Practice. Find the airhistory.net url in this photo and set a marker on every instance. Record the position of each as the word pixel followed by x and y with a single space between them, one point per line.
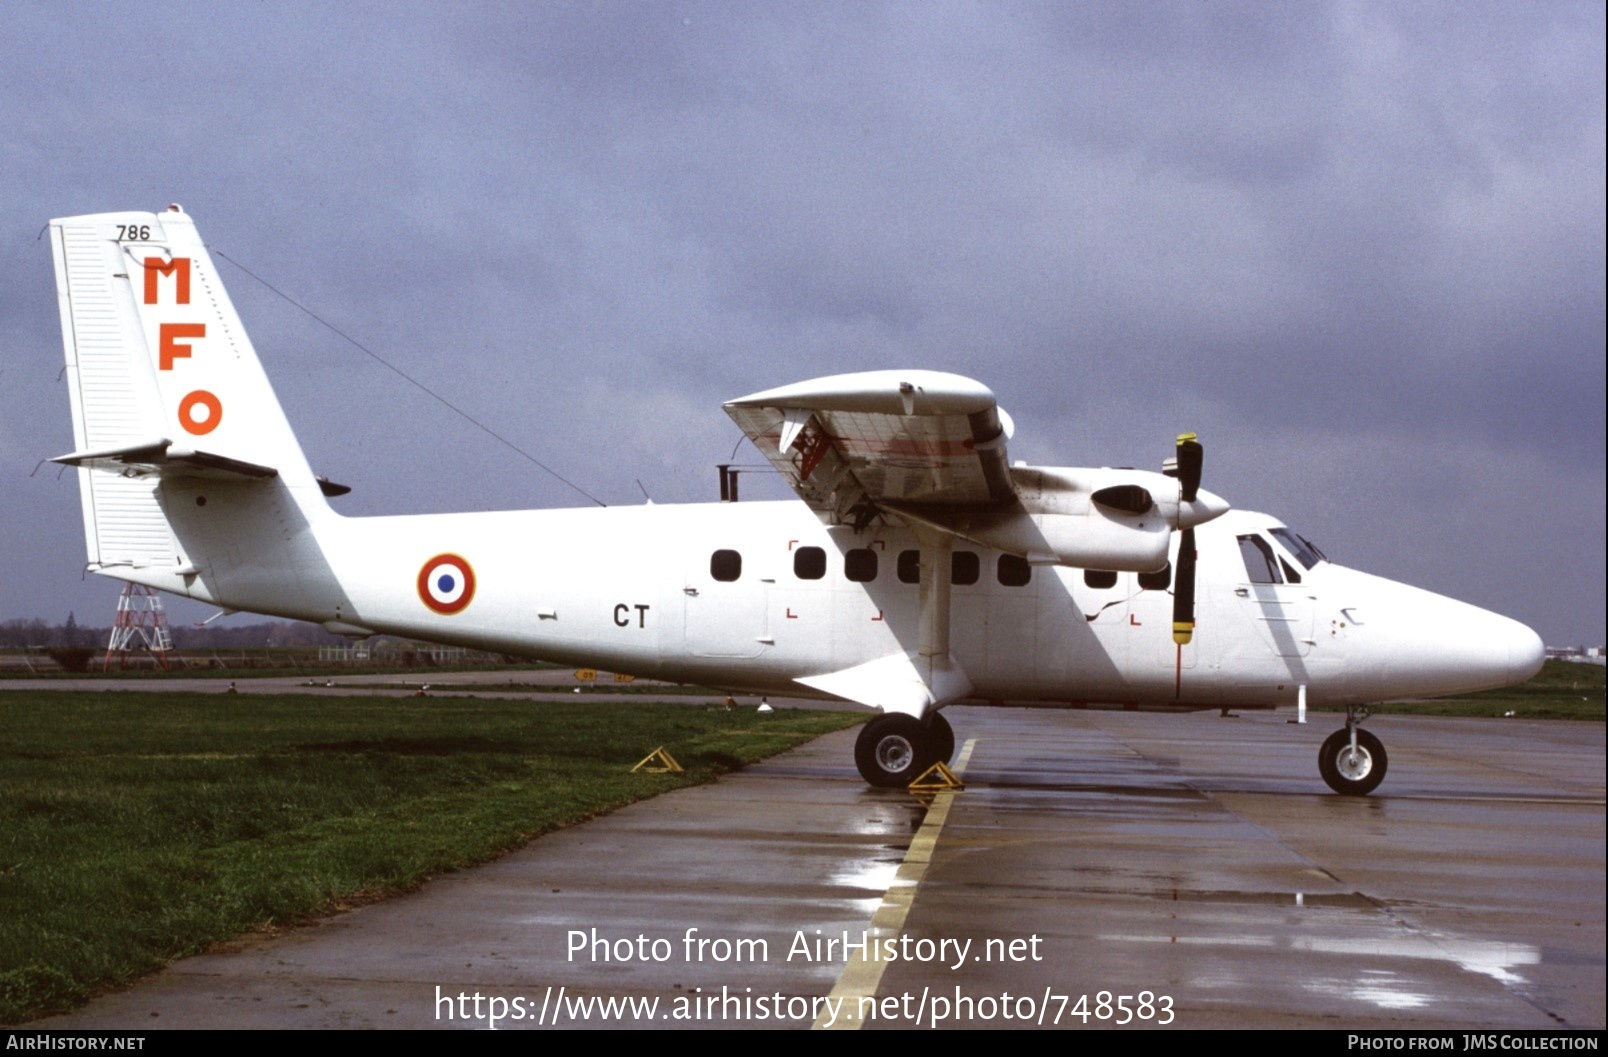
pixel 557 1007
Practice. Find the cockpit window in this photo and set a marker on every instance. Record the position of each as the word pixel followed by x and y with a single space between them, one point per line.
pixel 1304 552
pixel 1260 565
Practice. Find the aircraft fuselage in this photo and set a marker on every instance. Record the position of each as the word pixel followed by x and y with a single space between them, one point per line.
pixel 755 596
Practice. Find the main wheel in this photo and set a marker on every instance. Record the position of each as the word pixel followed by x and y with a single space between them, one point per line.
pixel 894 749
pixel 943 736
pixel 1352 773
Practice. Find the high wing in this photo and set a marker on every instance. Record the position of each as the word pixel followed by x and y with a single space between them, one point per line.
pixel 852 442
pixel 928 449
pixel 856 445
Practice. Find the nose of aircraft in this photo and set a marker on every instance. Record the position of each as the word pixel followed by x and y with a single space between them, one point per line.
pixel 1525 651
pixel 1478 647
pixel 1413 643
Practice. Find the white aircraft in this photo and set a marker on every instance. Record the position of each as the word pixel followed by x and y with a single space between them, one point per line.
pixel 921 568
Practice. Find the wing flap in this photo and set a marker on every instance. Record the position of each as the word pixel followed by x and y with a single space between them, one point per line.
pixel 852 440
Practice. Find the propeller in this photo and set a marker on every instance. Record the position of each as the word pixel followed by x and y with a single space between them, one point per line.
pixel 1186 466
pixel 1184 589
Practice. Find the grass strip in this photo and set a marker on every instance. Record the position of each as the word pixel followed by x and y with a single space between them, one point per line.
pixel 137 828
pixel 1561 690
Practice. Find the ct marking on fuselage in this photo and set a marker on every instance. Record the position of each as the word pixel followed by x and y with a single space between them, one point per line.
pixel 447 584
pixel 622 615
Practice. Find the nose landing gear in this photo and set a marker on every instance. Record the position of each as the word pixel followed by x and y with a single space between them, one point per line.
pixel 1352 761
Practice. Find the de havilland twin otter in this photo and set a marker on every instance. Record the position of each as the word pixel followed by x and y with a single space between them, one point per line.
pixel 920 569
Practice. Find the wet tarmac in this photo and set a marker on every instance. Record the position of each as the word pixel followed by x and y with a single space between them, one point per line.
pixel 1187 870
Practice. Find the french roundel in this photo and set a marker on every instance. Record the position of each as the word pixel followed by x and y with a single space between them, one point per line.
pixel 446 584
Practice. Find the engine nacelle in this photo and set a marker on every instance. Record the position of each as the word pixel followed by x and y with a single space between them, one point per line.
pixel 1120 520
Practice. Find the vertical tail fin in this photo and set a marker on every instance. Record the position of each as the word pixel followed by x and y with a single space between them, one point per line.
pixel 167 393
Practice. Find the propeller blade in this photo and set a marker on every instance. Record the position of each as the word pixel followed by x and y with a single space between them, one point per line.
pixel 1188 462
pixel 1184 588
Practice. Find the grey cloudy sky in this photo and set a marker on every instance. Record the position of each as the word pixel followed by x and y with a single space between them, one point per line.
pixel 1358 246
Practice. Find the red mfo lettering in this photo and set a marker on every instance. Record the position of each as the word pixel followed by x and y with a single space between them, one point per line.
pixel 168 348
pixel 211 409
pixel 178 268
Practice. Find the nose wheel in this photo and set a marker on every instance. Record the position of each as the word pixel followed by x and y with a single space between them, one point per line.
pixel 1352 767
pixel 893 750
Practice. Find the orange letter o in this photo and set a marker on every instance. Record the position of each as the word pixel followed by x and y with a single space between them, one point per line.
pixel 214 409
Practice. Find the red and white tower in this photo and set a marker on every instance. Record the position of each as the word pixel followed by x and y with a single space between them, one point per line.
pixel 140 621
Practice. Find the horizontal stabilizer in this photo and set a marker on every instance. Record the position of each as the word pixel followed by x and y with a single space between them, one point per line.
pixel 895 683
pixel 160 458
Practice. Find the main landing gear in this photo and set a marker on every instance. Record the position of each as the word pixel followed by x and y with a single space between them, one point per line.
pixel 1352 761
pixel 894 749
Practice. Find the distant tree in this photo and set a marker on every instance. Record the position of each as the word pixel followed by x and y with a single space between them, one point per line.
pixel 25 632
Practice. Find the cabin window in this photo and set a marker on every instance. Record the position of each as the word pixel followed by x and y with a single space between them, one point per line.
pixel 909 567
pixel 725 565
pixel 964 568
pixel 1014 571
pixel 809 563
pixel 1099 579
pixel 1159 580
pixel 860 565
pixel 1260 565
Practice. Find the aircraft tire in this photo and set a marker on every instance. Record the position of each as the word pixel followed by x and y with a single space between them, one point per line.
pixel 1348 775
pixel 943 736
pixel 893 750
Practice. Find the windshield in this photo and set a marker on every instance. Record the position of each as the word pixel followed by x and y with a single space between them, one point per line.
pixel 1304 552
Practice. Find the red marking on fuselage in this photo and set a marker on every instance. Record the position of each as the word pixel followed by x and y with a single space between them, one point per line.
pixel 1134 622
pixel 452 562
pixel 877 617
pixel 790 614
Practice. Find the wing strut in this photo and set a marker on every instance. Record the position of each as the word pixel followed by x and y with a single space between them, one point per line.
pixel 945 680
pixel 910 682
pixel 936 551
